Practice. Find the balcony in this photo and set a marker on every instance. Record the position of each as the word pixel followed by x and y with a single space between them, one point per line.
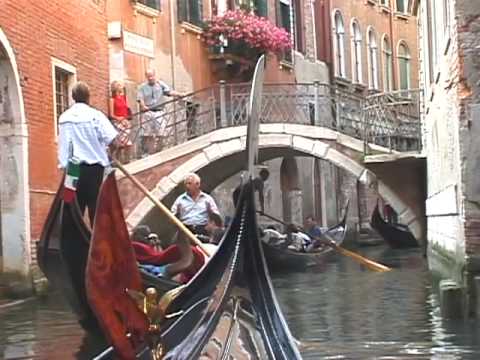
pixel 234 62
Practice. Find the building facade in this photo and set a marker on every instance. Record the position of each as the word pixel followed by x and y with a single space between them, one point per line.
pixel 44 48
pixel 373 44
pixel 449 73
pixel 100 41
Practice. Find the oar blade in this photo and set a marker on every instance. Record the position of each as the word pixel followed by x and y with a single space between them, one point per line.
pixel 372 265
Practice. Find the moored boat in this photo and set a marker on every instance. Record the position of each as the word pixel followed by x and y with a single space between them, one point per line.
pixel 395 235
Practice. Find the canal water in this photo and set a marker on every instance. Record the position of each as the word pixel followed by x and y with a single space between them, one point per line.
pixel 337 310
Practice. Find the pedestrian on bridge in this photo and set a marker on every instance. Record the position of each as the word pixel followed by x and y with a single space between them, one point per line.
pixel 150 97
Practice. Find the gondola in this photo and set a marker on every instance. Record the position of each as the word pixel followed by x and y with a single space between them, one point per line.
pixel 283 258
pixel 228 310
pixel 62 254
pixel 397 236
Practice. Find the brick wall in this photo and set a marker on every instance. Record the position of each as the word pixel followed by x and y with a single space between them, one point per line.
pixel 74 33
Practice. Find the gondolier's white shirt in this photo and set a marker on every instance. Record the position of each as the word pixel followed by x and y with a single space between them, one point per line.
pixel 89 131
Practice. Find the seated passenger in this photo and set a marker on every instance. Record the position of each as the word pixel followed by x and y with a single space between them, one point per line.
pixel 271 236
pixel 297 240
pixel 164 260
pixel 214 228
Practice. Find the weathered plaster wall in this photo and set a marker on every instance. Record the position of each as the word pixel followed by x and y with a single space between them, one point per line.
pixel 444 189
pixel 468 90
pixel 14 199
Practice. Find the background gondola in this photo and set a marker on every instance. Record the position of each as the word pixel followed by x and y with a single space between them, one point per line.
pixel 283 258
pixel 395 235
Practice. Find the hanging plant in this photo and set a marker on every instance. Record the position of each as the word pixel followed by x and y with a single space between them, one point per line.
pixel 243 33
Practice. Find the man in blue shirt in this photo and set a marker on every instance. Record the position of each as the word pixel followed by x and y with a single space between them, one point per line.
pixel 151 96
pixel 313 230
pixel 194 206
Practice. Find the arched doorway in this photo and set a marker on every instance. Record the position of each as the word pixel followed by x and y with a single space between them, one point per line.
pixel 14 195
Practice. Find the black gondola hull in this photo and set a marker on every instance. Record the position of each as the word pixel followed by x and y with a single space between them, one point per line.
pixel 62 256
pixel 396 236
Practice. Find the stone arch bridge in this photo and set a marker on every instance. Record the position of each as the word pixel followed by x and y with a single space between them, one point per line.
pixel 220 154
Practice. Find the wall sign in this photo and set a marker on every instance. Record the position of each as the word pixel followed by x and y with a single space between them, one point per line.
pixel 138 44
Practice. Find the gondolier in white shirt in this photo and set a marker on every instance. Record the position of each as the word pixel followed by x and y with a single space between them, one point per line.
pixel 85 134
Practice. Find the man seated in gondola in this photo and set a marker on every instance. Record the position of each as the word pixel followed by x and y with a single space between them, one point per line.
pixel 214 230
pixel 160 262
pixel 315 232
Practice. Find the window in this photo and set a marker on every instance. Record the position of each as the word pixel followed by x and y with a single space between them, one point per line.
pixel 338 45
pixel 385 3
pixel 154 4
pixel 387 65
pixel 372 60
pixel 190 11
pixel 356 53
pixel 63 78
pixel 404 66
pixel 446 16
pixel 402 6
pixel 261 7
pixel 284 20
pixel 297 19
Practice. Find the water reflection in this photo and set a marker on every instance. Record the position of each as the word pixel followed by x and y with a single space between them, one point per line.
pixel 337 310
pixel 346 312
pixel 44 330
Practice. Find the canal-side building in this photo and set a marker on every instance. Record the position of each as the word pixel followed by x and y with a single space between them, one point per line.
pixel 449 73
pixel 99 42
pixel 370 48
pixel 169 37
pixel 44 48
pixel 372 44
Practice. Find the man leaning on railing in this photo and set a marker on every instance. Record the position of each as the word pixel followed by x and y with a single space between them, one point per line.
pixel 153 124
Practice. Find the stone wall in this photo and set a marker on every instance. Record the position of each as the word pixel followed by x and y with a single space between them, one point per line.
pixel 450 75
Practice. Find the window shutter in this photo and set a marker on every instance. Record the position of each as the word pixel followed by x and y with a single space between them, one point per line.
pixel 182 10
pixel 261 8
pixel 197 15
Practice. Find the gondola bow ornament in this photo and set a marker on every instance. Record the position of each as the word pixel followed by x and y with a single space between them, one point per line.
pixel 111 270
pixel 253 111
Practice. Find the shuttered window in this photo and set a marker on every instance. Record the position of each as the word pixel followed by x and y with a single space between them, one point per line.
pixel 285 18
pixel 190 11
pixel 154 4
pixel 261 8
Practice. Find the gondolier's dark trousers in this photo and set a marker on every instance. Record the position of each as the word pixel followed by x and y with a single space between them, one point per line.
pixel 89 182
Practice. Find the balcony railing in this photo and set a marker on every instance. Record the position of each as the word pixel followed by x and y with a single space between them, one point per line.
pixel 391 120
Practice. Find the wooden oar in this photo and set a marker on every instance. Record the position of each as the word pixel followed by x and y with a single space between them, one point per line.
pixel 372 265
pixel 163 208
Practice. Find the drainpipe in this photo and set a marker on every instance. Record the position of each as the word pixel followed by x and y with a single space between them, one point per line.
pixel 394 61
pixel 173 51
pixel 172 42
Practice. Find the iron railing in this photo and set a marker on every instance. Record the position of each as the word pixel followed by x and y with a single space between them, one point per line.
pixel 390 119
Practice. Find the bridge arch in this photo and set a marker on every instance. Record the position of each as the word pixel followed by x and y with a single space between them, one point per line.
pixel 218 155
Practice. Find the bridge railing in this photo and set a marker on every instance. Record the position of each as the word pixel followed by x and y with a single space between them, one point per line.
pixel 388 119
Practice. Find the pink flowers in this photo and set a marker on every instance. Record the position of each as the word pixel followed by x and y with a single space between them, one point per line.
pixel 255 32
